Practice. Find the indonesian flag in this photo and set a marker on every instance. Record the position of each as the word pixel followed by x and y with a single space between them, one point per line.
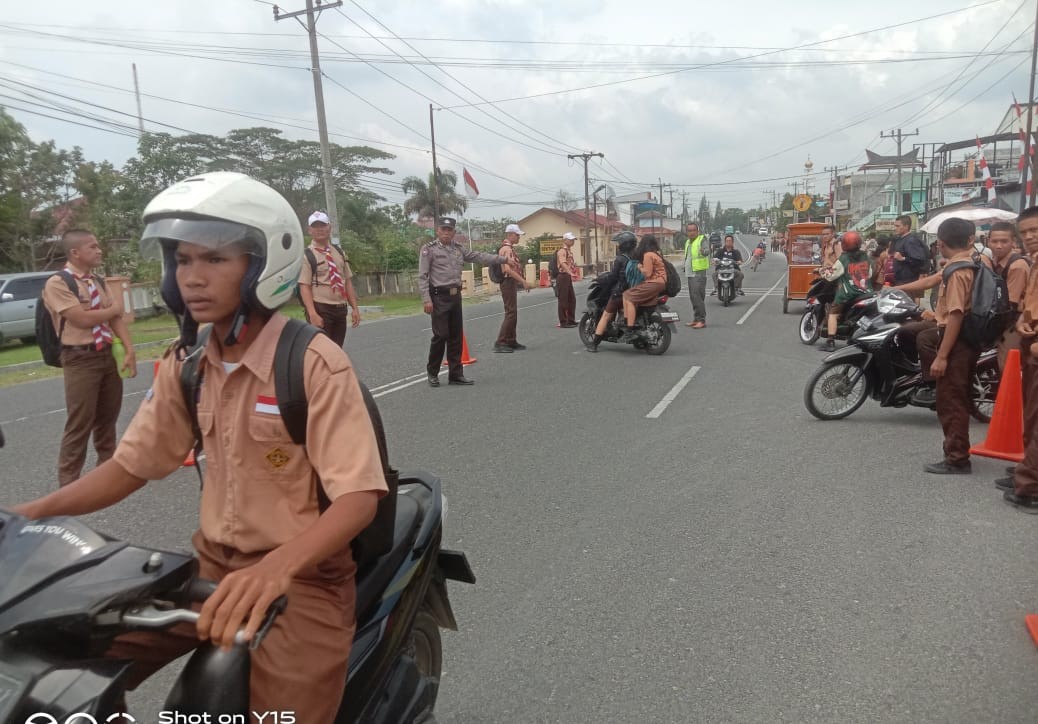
pixel 267 405
pixel 989 183
pixel 471 190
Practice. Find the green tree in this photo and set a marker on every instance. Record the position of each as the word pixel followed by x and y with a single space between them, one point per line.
pixel 421 202
pixel 704 214
pixel 717 211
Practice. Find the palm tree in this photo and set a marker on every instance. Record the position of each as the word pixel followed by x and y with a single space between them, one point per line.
pixel 421 201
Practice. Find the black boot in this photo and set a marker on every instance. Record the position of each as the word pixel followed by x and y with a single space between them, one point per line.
pixel 828 346
pixel 592 346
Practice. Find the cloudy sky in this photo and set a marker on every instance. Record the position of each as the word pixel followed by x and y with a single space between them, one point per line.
pixel 727 99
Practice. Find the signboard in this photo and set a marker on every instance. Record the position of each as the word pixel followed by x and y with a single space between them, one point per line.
pixel 550 246
pixel 842 204
pixel 802 202
pixel 884 225
pixel 787 213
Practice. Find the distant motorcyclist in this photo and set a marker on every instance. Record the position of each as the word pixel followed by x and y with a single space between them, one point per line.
pixel 852 275
pixel 616 281
pixel 729 252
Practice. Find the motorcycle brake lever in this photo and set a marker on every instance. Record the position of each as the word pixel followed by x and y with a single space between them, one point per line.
pixel 278 606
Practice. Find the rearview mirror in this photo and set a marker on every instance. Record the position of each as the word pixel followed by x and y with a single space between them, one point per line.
pixel 6 297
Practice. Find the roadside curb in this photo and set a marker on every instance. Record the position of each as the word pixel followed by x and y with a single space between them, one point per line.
pixel 40 363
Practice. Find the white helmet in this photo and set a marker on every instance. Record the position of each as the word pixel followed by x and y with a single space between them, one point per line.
pixel 222 209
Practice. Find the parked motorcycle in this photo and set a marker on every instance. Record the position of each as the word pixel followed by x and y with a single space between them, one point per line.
pixel 813 324
pixel 874 364
pixel 66 591
pixel 726 269
pixel 654 323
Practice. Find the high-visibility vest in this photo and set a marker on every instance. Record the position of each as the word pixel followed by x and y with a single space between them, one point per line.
pixel 693 251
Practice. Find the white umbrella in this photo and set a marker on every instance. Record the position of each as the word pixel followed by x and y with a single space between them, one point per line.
pixel 979 215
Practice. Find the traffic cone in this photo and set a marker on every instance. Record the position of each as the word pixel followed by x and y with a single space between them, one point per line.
pixel 190 459
pixel 1031 621
pixel 1005 438
pixel 465 359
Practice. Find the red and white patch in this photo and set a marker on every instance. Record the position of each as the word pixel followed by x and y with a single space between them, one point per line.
pixel 267 405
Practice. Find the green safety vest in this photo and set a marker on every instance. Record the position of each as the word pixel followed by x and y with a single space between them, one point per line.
pixel 693 250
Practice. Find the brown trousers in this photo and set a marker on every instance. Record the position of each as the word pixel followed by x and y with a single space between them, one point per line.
pixel 954 392
pixel 336 320
pixel 93 398
pixel 301 664
pixel 509 291
pixel 567 299
pixel 1025 479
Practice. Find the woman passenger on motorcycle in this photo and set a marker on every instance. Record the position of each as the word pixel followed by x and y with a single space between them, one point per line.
pixel 852 274
pixel 646 292
pixel 625 242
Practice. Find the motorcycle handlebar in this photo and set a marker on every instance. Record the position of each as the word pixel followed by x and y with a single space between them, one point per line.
pixel 200 589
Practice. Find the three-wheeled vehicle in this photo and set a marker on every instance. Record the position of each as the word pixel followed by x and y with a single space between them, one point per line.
pixel 803 257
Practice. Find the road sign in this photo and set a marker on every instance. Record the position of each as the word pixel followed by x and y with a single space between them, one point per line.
pixel 802 202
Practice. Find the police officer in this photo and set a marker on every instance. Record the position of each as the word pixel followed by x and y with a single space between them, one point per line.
pixel 439 281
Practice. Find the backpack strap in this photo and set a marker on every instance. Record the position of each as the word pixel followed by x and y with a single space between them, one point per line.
pixel 289 385
pixel 190 386
pixel 312 258
pixel 72 287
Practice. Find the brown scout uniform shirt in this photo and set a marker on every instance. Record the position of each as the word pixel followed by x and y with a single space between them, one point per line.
pixel 565 260
pixel 1029 307
pixel 1016 280
pixel 59 298
pixel 322 290
pixel 260 488
pixel 831 252
pixel 957 294
pixel 508 250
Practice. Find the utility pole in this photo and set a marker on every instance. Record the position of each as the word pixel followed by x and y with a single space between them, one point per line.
pixel 835 171
pixel 796 192
pixel 137 92
pixel 436 169
pixel 322 123
pixel 899 136
pixel 585 242
pixel 1028 166
pixel 684 208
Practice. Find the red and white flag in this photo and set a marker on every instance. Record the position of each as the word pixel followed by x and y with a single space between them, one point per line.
pixel 985 172
pixel 471 190
pixel 267 405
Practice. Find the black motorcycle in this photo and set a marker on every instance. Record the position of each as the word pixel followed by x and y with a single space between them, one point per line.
pixel 66 591
pixel 726 269
pixel 653 323
pixel 874 364
pixel 813 325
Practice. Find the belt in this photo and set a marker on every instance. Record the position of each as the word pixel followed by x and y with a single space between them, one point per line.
pixel 333 306
pixel 452 290
pixel 85 347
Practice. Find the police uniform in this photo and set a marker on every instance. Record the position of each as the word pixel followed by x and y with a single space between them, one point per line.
pixel 328 303
pixel 439 282
pixel 260 492
pixel 93 387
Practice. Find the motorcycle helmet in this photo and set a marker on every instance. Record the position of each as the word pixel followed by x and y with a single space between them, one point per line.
pixel 851 241
pixel 625 241
pixel 218 210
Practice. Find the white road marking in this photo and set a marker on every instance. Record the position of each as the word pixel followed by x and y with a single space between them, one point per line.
pixel 672 395
pixel 421 378
pixel 756 304
pixel 55 412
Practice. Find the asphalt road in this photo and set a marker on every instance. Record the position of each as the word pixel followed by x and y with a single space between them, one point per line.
pixel 729 558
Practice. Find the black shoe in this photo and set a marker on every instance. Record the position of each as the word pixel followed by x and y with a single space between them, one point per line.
pixel 926 396
pixel 434 380
pixel 500 348
pixel 946 468
pixel 828 346
pixel 1005 483
pixel 460 381
pixel 713 293
pixel 1010 470
pixel 741 293
pixel 518 347
pixel 1026 503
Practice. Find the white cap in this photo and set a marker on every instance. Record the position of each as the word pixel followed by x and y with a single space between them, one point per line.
pixel 514 229
pixel 569 236
pixel 317 216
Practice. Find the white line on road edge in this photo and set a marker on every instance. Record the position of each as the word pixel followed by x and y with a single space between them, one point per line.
pixel 756 304
pixel 672 395
pixel 421 378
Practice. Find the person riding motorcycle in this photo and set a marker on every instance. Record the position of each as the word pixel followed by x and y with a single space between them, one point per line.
pixel 852 275
pixel 616 280
pixel 728 251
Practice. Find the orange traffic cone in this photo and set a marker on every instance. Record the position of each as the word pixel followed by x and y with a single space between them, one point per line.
pixel 1031 621
pixel 1005 438
pixel 465 359
pixel 190 459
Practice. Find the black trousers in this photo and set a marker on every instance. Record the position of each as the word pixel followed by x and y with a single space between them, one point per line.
pixel 336 320
pixel 447 330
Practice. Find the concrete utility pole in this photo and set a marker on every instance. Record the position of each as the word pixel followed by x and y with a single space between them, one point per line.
pixel 1028 165
pixel 436 170
pixel 322 123
pixel 137 92
pixel 684 208
pixel 835 171
pixel 585 157
pixel 899 136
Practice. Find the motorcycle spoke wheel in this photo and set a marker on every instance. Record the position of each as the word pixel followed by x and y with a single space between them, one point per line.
pixel 984 388
pixel 835 391
pixel 809 328
pixel 586 328
pixel 658 338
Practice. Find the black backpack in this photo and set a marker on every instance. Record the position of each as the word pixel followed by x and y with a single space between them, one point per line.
pixel 311 258
pixel 496 273
pixel 377 538
pixel 673 286
pixel 48 338
pixel 989 313
pixel 553 266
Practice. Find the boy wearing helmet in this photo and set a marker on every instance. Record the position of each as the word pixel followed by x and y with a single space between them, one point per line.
pixel 852 274
pixel 616 281
pixel 231 254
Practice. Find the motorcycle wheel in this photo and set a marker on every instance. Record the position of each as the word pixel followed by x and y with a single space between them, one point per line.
pixel 661 332
pixel 426 646
pixel 809 327
pixel 984 386
pixel 586 328
pixel 836 390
